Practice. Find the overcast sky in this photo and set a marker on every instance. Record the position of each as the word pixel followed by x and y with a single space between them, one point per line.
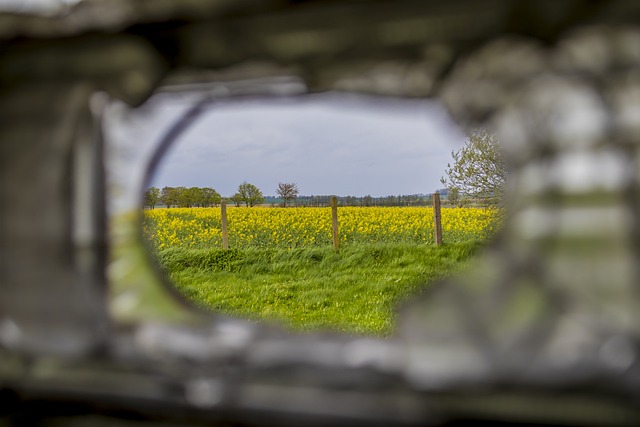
pixel 325 144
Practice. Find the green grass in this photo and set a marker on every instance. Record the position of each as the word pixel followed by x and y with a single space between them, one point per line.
pixel 354 290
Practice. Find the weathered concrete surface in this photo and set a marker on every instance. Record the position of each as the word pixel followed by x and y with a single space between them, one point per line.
pixel 546 330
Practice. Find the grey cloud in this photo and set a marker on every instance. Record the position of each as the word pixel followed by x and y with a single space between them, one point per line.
pixel 326 147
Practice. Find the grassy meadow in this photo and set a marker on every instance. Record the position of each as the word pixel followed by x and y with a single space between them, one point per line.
pixel 282 267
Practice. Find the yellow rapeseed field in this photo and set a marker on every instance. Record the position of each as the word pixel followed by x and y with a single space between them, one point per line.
pixel 296 227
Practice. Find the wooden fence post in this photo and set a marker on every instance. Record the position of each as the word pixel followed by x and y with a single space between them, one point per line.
pixel 334 215
pixel 225 233
pixel 437 219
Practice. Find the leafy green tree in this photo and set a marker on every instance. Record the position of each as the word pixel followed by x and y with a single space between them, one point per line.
pixel 287 191
pixel 478 169
pixel 152 197
pixel 169 196
pixel 236 199
pixel 183 197
pixel 209 197
pixel 249 194
pixel 195 197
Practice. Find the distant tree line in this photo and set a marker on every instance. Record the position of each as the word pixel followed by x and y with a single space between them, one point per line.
pixel 325 200
pixel 287 194
pixel 189 197
pixel 182 197
pixel 477 176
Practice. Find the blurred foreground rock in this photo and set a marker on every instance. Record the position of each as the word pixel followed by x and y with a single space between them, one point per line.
pixel 545 330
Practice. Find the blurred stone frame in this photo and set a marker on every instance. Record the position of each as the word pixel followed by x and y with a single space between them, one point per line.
pixel 559 82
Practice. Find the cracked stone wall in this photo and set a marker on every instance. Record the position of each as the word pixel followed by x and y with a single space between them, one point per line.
pixel 561 287
pixel 545 329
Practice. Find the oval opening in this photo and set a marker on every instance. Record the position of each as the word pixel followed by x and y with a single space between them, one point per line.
pixel 239 215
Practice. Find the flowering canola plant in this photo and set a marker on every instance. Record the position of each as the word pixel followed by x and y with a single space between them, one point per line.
pixel 261 227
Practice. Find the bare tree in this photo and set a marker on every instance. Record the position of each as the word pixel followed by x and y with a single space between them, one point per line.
pixel 288 191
